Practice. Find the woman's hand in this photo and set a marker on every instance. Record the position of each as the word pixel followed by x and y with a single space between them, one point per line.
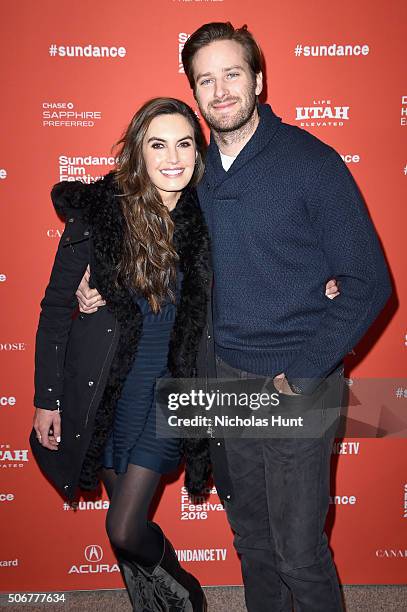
pixel 331 289
pixel 89 299
pixel 47 424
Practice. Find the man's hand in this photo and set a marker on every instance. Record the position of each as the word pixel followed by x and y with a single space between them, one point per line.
pixel 331 289
pixel 280 381
pixel 89 299
pixel 282 386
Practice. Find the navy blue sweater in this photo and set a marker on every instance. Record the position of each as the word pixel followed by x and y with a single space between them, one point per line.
pixel 285 218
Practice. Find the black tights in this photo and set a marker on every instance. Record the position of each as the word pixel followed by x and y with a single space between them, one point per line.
pixel 127 524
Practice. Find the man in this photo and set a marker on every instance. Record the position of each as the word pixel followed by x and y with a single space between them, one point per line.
pixel 284 215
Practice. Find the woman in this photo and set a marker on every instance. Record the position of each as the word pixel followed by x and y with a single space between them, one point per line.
pixel 142 233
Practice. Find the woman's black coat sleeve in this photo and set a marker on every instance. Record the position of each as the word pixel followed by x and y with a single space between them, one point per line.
pixel 57 309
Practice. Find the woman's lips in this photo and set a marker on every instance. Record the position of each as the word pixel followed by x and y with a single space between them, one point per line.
pixel 172 172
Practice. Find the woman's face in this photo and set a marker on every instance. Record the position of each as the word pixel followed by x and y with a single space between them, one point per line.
pixel 169 153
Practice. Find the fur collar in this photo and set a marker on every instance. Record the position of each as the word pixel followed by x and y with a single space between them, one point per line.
pixel 76 195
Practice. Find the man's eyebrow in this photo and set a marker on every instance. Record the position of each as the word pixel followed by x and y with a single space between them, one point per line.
pixel 233 68
pixel 206 74
pixel 163 139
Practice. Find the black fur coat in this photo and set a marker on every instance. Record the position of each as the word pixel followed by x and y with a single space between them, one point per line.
pixel 94 235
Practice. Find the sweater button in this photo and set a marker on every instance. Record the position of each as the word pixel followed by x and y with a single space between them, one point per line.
pixel 71 220
pixel 218 444
pixel 90 383
pixel 228 496
pixel 78 436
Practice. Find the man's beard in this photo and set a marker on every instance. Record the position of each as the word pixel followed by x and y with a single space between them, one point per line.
pixel 235 122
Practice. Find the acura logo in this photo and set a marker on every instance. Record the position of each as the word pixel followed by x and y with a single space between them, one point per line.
pixel 93 553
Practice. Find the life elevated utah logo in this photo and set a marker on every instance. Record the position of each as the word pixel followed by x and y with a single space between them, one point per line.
pixel 322 113
pixel 11 457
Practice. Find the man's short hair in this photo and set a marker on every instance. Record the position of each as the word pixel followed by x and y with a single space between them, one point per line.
pixel 211 32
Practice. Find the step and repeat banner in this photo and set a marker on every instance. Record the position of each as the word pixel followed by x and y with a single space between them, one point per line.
pixel 73 73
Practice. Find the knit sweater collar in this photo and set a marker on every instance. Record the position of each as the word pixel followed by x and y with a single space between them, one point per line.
pixel 265 131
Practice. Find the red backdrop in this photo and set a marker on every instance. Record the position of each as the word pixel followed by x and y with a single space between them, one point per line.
pixel 73 74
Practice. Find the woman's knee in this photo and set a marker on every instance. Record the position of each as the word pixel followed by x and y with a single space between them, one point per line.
pixel 123 536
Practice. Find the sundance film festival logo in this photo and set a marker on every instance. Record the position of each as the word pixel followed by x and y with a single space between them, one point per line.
pixel 182 39
pixel 86 51
pixel 12 458
pixel 403 118
pixel 197 507
pixel 342 500
pixel 323 113
pixel 65 114
pixel 3 174
pixel 78 168
pixel 351 158
pixel 93 554
pixel 7 497
pixel 3 278
pixel 6 401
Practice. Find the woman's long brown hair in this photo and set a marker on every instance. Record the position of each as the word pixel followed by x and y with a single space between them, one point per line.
pixel 148 262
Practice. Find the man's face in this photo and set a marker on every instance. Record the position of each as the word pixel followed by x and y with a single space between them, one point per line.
pixel 225 87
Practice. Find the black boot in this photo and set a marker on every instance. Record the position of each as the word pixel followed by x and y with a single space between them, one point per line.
pixel 165 587
pixel 169 569
pixel 139 588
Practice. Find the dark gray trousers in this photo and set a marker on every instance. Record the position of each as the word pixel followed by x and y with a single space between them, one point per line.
pixel 278 512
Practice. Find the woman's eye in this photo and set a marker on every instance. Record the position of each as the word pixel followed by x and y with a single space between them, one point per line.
pixel 185 144
pixel 157 145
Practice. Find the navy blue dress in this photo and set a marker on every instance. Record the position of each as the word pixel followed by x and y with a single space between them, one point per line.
pixel 133 437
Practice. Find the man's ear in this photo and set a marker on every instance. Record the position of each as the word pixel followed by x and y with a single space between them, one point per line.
pixel 259 83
